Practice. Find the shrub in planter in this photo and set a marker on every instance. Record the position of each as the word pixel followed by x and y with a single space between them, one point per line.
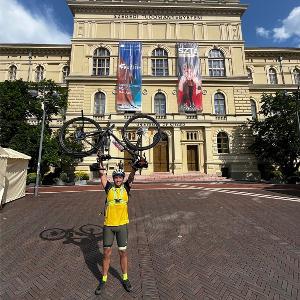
pixel 63 177
pixel 276 176
pixel 31 178
pixel 81 175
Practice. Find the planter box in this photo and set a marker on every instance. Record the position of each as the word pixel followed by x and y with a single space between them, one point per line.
pixel 81 182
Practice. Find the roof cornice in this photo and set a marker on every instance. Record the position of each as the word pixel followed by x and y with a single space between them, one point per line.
pixel 158 8
pixel 55 49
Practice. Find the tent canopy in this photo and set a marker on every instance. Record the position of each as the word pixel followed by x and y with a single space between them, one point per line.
pixel 13 172
pixel 10 153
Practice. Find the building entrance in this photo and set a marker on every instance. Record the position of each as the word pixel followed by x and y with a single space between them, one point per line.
pixel 192 158
pixel 161 155
pixel 127 162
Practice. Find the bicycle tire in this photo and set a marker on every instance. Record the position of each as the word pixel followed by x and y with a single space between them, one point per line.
pixel 80 152
pixel 53 234
pixel 156 135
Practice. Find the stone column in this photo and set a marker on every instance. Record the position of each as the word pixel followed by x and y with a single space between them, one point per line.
pixel 177 151
pixel 209 151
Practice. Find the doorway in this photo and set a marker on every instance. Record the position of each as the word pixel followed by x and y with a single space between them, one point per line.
pixel 127 162
pixel 192 158
pixel 161 155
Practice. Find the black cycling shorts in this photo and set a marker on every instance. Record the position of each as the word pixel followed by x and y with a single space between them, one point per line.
pixel 121 233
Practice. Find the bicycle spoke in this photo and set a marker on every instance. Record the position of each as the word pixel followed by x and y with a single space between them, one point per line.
pixel 139 132
pixel 79 141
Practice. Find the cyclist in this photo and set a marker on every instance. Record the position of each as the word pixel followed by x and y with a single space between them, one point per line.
pixel 116 220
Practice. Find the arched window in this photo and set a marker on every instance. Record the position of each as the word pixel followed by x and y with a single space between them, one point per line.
pixel 249 72
pixel 219 103
pixel 296 73
pixel 222 142
pixel 216 63
pixel 160 62
pixel 99 104
pixel 160 104
pixel 12 73
pixel 65 72
pixel 101 60
pixel 273 76
pixel 39 73
pixel 253 109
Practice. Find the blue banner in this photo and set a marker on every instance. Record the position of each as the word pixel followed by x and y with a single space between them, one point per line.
pixel 129 80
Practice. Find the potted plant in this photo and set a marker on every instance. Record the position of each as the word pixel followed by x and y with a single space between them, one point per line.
pixel 81 177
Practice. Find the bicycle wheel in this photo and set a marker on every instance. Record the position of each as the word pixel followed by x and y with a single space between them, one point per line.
pixel 141 132
pixel 53 234
pixel 79 137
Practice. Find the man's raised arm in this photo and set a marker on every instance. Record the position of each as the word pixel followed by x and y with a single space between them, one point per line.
pixel 131 175
pixel 103 177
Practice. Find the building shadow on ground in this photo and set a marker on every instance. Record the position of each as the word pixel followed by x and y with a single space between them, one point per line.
pixel 292 190
pixel 87 238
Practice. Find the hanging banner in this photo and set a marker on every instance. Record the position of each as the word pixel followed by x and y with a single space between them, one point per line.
pixel 189 86
pixel 129 77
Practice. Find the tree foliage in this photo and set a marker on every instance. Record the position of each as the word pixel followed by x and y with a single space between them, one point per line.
pixel 276 137
pixel 21 116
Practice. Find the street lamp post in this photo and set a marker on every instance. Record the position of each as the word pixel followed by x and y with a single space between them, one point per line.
pixel 35 93
pixel 38 171
pixel 29 64
pixel 297 109
pixel 280 59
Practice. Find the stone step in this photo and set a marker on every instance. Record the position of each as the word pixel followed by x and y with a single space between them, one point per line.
pixel 168 177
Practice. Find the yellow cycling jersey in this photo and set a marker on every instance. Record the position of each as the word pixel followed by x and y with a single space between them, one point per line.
pixel 116 208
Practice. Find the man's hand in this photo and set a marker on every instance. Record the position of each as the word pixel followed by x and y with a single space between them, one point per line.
pixel 103 177
pixel 140 164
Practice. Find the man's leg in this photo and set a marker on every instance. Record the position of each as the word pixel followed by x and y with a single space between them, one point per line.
pixel 108 239
pixel 123 261
pixel 106 261
pixel 122 238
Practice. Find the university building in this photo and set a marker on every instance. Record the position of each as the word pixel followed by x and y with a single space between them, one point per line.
pixel 233 77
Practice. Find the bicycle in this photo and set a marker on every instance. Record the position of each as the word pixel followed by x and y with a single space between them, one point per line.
pixel 83 136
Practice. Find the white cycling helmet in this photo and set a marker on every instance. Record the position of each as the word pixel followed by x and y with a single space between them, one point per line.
pixel 118 172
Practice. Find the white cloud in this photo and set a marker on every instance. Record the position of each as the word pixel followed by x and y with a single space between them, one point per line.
pixel 260 31
pixel 289 29
pixel 290 26
pixel 18 25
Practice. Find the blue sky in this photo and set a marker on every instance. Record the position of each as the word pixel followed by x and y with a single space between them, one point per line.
pixel 266 23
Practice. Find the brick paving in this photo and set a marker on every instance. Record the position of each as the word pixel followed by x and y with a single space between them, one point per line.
pixel 184 244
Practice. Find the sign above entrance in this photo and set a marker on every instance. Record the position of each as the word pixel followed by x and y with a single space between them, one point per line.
pixel 165 124
pixel 158 17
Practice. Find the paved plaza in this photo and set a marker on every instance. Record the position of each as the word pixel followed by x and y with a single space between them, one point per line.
pixel 184 243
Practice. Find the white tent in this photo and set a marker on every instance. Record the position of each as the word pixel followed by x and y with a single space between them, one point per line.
pixel 13 172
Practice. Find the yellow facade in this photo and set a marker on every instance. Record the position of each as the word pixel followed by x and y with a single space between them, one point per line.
pixel 191 139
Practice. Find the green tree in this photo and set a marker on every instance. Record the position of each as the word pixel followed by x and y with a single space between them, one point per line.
pixel 21 114
pixel 54 155
pixel 276 137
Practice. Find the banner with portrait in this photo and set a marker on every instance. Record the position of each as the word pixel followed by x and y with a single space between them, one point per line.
pixel 129 77
pixel 190 84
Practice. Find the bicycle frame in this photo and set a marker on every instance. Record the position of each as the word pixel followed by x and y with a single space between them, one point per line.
pixel 134 154
pixel 109 133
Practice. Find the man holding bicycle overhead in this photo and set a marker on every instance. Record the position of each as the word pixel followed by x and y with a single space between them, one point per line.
pixel 116 220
